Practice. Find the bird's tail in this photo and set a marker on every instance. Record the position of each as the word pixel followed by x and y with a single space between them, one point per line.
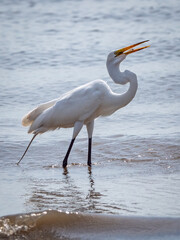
pixel 29 118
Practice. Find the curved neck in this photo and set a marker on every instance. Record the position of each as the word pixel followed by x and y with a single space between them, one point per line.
pixel 121 100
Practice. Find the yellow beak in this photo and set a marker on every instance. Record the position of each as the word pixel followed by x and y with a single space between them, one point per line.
pixel 130 48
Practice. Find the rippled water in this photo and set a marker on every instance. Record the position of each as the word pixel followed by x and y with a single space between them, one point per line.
pixel 49 47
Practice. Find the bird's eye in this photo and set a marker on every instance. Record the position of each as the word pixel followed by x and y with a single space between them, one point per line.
pixel 118 53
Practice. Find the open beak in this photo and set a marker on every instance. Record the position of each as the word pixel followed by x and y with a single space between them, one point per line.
pixel 130 48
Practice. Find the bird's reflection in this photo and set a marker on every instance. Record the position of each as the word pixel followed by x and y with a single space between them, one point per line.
pixel 91 200
pixel 66 193
pixel 91 190
pixel 65 171
pixel 93 196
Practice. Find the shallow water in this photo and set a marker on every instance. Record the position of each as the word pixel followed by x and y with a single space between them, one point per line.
pixel 49 47
pixel 59 225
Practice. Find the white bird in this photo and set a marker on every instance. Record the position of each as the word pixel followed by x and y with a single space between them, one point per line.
pixel 84 104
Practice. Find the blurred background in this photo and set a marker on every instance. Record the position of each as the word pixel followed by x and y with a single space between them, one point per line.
pixel 47 48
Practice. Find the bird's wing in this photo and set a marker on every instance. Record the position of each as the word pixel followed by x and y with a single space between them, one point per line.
pixel 29 118
pixel 81 104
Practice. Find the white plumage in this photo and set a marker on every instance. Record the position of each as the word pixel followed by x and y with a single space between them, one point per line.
pixel 84 104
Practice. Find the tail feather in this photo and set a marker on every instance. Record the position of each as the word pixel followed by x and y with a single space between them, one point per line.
pixel 29 118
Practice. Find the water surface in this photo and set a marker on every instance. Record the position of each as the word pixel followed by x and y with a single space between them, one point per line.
pixel 49 47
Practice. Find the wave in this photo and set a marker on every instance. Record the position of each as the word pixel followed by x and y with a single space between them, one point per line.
pixel 54 225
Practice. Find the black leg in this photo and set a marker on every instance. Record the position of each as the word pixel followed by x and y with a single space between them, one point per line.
pixel 27 148
pixel 89 152
pixel 67 154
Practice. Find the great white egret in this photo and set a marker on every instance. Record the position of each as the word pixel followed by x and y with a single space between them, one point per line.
pixel 84 104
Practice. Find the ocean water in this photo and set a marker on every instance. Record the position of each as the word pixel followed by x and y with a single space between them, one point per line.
pixel 133 188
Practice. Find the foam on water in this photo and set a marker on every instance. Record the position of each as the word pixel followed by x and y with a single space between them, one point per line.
pixel 66 225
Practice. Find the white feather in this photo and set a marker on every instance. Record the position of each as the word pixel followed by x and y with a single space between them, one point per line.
pixel 81 104
pixel 85 103
pixel 30 117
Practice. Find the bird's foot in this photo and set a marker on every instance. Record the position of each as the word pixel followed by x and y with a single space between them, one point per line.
pixel 64 165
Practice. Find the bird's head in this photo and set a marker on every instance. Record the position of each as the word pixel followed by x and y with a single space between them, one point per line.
pixel 116 57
